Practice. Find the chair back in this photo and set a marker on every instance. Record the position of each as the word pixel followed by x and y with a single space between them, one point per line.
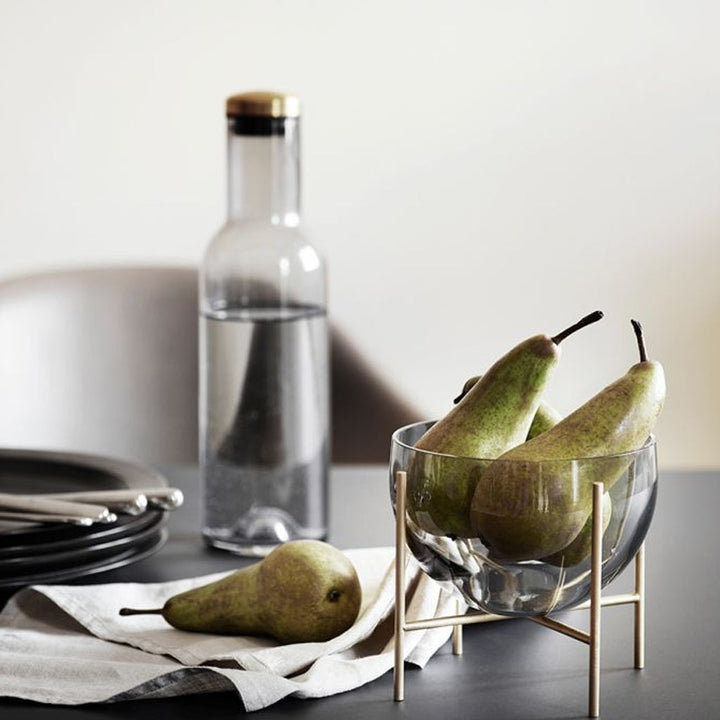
pixel 105 360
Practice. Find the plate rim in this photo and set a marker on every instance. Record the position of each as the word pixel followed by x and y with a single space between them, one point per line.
pixel 98 533
pixel 134 473
pixel 122 559
pixel 154 519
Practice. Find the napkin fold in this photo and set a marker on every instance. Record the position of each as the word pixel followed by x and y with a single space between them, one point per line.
pixel 66 644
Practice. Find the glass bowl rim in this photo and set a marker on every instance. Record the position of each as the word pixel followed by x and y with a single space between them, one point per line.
pixel 649 443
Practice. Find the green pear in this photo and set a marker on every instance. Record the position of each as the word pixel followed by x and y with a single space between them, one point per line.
pixel 495 415
pixel 535 498
pixel 546 416
pixel 579 549
pixel 303 591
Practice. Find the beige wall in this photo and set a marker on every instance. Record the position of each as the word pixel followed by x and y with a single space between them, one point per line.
pixel 475 172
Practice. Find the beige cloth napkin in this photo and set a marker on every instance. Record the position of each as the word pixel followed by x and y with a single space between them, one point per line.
pixel 68 645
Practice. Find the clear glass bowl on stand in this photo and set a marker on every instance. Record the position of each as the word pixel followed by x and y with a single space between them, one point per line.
pixel 521 546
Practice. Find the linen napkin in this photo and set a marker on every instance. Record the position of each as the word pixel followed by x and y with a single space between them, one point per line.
pixel 68 644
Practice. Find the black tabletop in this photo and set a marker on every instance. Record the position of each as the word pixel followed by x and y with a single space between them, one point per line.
pixel 509 669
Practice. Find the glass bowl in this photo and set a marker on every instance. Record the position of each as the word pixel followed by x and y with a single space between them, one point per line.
pixel 513 538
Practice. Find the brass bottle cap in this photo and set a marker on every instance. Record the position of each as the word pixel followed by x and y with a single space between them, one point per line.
pixel 262 103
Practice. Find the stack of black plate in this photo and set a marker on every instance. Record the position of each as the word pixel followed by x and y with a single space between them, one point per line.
pixel 32 554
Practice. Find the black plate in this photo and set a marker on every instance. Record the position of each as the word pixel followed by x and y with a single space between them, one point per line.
pixel 40 471
pixel 125 557
pixel 12 568
pixel 126 527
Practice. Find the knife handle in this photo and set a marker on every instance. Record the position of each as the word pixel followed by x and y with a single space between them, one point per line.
pixel 51 506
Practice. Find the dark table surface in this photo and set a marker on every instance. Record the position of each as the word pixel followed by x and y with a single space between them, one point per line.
pixel 509 669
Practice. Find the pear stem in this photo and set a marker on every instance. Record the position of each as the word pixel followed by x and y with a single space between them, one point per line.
pixel 136 611
pixel 637 327
pixel 587 320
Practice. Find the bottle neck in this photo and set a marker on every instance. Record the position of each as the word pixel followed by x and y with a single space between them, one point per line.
pixel 264 174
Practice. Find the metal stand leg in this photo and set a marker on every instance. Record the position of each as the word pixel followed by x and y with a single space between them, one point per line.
pixel 640 608
pixel 457 637
pixel 595 600
pixel 399 669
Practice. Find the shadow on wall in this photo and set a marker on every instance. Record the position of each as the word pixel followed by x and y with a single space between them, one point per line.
pixel 365 410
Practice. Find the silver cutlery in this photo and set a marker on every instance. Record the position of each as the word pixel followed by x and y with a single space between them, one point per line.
pixel 85 507
pixel 30 517
pixel 131 501
pixel 42 505
pixel 119 501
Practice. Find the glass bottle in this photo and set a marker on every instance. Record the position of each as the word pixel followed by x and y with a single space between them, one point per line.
pixel 264 365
